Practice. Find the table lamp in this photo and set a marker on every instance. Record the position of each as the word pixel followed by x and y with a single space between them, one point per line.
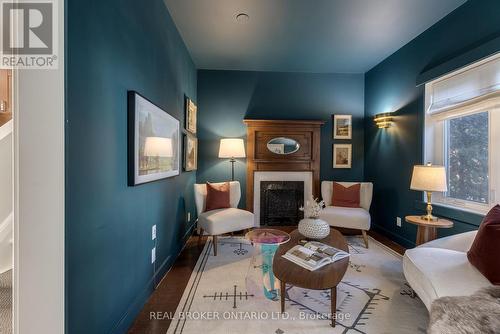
pixel 232 148
pixel 429 178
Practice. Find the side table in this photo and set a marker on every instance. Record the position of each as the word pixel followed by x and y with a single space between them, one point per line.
pixel 427 229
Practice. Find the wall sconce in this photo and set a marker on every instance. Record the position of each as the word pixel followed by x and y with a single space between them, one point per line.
pixel 383 120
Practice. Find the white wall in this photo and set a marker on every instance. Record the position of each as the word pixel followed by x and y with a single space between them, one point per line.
pixel 39 197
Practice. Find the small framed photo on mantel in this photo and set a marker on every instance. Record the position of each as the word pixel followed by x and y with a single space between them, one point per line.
pixel 342 155
pixel 342 126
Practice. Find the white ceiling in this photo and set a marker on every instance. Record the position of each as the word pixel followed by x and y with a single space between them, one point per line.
pixel 326 36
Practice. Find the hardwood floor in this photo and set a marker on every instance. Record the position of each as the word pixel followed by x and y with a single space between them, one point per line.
pixel 170 290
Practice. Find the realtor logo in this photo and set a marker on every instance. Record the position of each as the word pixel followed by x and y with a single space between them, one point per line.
pixel 29 34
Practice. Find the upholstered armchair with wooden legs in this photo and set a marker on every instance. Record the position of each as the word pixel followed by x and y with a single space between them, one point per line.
pixel 351 218
pixel 221 221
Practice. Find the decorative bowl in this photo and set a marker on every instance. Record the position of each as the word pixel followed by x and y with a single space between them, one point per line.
pixel 314 228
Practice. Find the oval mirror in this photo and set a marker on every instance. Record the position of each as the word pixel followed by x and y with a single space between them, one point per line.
pixel 283 145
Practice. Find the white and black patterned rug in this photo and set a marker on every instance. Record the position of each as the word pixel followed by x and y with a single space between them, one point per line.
pixel 372 298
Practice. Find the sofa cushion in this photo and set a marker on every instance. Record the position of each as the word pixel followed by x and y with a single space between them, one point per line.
pixel 437 272
pixel 485 250
pixel 347 197
pixel 217 196
pixel 222 221
pixel 357 218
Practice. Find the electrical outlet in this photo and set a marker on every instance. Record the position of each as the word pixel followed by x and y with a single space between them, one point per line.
pixel 153 232
pixel 153 255
pixel 189 217
pixel 398 221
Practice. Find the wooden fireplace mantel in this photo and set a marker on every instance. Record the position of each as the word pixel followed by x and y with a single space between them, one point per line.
pixel 259 158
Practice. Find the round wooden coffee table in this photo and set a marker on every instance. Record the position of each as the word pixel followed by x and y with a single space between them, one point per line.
pixel 327 277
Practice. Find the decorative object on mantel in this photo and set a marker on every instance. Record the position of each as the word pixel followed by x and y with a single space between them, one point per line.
pixel 383 120
pixel 191 117
pixel 232 148
pixel 342 155
pixel 429 178
pixel 153 141
pixel 312 227
pixel 342 126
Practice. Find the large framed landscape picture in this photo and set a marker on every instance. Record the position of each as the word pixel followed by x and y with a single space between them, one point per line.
pixel 154 141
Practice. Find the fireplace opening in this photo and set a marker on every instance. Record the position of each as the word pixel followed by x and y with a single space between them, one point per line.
pixel 280 202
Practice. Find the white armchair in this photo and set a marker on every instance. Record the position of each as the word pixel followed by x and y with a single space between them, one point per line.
pixel 353 218
pixel 221 221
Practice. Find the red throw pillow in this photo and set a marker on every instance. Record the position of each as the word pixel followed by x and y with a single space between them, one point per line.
pixel 347 197
pixel 217 196
pixel 485 250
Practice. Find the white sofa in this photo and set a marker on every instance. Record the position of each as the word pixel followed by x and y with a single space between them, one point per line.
pixel 221 221
pixel 440 268
pixel 353 218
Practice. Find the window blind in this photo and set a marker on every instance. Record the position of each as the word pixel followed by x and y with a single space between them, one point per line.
pixel 480 81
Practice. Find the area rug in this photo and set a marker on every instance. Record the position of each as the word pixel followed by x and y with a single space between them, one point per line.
pixel 373 297
pixel 6 302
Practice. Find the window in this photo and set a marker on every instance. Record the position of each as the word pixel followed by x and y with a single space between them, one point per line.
pixel 461 122
pixel 467 162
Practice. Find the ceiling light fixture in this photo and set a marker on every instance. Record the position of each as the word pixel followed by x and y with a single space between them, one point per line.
pixel 242 18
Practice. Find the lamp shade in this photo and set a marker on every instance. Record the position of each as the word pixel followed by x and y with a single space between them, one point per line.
pixel 428 178
pixel 158 147
pixel 232 148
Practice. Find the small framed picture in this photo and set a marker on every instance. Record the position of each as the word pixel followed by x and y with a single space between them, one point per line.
pixel 190 153
pixel 191 110
pixel 342 155
pixel 342 126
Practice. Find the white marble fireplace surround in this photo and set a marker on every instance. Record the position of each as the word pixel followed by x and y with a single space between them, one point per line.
pixel 278 176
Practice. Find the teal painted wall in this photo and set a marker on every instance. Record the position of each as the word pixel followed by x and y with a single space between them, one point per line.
pixel 225 98
pixel 391 86
pixel 114 46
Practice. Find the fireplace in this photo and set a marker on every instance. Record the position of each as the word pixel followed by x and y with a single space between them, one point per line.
pixel 280 202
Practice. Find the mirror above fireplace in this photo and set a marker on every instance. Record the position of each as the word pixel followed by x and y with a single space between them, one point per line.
pixel 283 145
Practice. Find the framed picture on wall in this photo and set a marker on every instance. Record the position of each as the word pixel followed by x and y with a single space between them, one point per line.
pixel 342 126
pixel 153 141
pixel 190 153
pixel 191 110
pixel 342 155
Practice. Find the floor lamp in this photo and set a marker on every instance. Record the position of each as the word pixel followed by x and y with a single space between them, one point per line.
pixel 231 148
